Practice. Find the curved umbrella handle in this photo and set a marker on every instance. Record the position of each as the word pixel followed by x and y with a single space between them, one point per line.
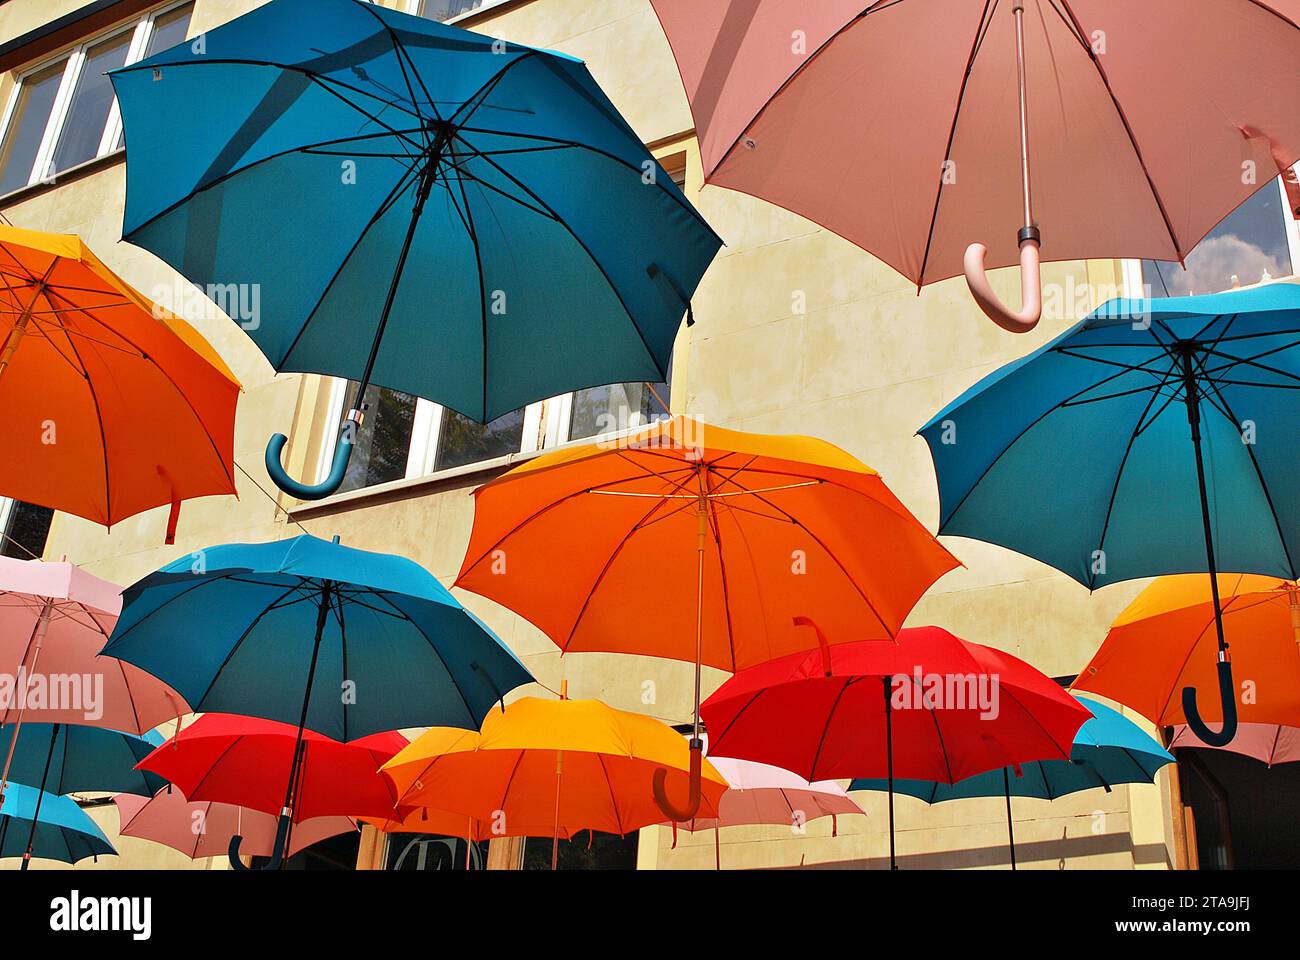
pixel 1031 284
pixel 277 851
pixel 694 795
pixel 1228 694
pixel 319 491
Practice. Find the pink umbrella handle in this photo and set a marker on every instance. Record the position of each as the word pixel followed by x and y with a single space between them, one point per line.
pixel 1031 285
pixel 694 795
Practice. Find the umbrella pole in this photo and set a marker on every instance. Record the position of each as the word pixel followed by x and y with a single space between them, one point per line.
pixel 555 832
pixel 38 640
pixel 1227 690
pixel 889 755
pixel 36 814
pixel 1011 830
pixel 717 847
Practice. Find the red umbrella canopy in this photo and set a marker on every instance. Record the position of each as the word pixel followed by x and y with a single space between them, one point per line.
pixel 245 761
pixel 955 709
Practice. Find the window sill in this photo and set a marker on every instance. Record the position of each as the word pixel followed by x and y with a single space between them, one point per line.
pixel 76 172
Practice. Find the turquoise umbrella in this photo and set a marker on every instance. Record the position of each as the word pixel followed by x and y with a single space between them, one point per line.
pixel 385 198
pixel 1108 750
pixel 1154 437
pixel 45 826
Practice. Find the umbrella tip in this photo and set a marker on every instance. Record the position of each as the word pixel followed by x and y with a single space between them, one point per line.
pixel 335 540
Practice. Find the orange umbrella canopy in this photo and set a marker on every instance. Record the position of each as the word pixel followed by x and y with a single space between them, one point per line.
pixel 1166 640
pixel 598 762
pixel 109 405
pixel 597 545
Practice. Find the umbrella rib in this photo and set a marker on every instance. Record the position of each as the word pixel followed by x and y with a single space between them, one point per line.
pixel 399 49
pixel 198 787
pixel 234 648
pixel 103 437
pixel 722 572
pixel 482 93
pixel 826 728
pixel 613 800
pixel 471 228
pixel 343 644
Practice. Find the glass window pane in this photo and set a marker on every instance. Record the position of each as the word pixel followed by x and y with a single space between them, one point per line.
pixel 462 441
pixel 27 127
pixel 169 29
pixel 91 100
pixel 26 532
pixel 446 9
pixel 618 406
pixel 383 443
pixel 1250 243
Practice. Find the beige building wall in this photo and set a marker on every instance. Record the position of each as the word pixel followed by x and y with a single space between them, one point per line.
pixel 863 365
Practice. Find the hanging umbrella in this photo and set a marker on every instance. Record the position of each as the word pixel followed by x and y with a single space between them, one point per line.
pixel 1089 114
pixel 340 641
pixel 54 618
pixel 200 829
pixel 433 210
pixel 1166 640
pixel 928 706
pixel 441 823
pixel 1108 750
pixel 550 767
pixel 112 405
pixel 1153 437
pixel 1268 743
pixel 739 533
pixel 761 794
pixel 242 761
pixel 44 826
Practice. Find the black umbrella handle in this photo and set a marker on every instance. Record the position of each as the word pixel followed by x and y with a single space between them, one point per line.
pixel 1228 695
pixel 277 851
pixel 338 469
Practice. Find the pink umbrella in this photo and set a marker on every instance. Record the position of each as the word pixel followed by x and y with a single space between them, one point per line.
pixel 911 128
pixel 204 829
pixel 54 619
pixel 763 794
pixel 1266 742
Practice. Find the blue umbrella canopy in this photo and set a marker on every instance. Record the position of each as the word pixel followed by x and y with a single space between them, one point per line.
pixel 63 830
pixel 1108 750
pixel 1154 437
pixel 65 758
pixel 453 216
pixel 370 642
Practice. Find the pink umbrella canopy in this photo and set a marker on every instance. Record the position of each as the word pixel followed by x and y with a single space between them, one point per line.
pixel 763 794
pixel 1266 742
pixel 898 124
pixel 204 829
pixel 54 619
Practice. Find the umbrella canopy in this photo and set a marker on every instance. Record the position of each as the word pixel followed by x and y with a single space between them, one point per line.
pixel 443 823
pixel 761 794
pixel 826 110
pixel 744 537
pixel 244 762
pixel 1267 743
pixel 549 768
pixel 1151 438
pixel 387 636
pixel 111 404
pixel 1165 640
pixel 201 829
pixel 417 204
pixel 57 827
pixel 64 758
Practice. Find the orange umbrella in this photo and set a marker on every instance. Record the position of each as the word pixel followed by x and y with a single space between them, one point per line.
pixel 548 768
pixel 109 405
pixel 1166 641
pixel 739 537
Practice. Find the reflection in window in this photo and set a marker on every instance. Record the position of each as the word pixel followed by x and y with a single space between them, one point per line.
pixel 24 528
pixel 169 29
pixel 447 9
pixel 618 406
pixel 383 443
pixel 462 441
pixel 88 110
pixel 1249 246
pixel 427 851
pixel 27 125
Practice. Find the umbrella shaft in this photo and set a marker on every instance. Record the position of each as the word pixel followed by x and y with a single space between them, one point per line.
pixel 1019 10
pixel 37 641
pixel 889 761
pixel 36 814
pixel 20 325
pixel 291 790
pixel 1011 830
pixel 1194 421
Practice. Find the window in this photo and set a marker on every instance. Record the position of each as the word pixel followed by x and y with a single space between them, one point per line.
pixel 1258 241
pixel 63 113
pixel 24 528
pixel 445 10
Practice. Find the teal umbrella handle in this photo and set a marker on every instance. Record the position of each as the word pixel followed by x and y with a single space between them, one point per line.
pixel 319 491
pixel 277 851
pixel 1227 693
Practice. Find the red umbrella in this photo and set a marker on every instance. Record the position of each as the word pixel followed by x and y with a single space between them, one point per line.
pixel 928 706
pixel 246 762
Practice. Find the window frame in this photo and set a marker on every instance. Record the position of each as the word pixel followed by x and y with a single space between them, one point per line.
pixel 74 61
pixel 416 8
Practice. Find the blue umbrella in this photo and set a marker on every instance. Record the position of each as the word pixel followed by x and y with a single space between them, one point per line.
pixel 1155 437
pixel 54 828
pixel 337 640
pixel 318 155
pixel 1108 750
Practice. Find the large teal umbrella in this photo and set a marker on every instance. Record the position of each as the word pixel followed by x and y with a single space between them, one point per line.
pixel 384 198
pixel 45 826
pixel 1108 750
